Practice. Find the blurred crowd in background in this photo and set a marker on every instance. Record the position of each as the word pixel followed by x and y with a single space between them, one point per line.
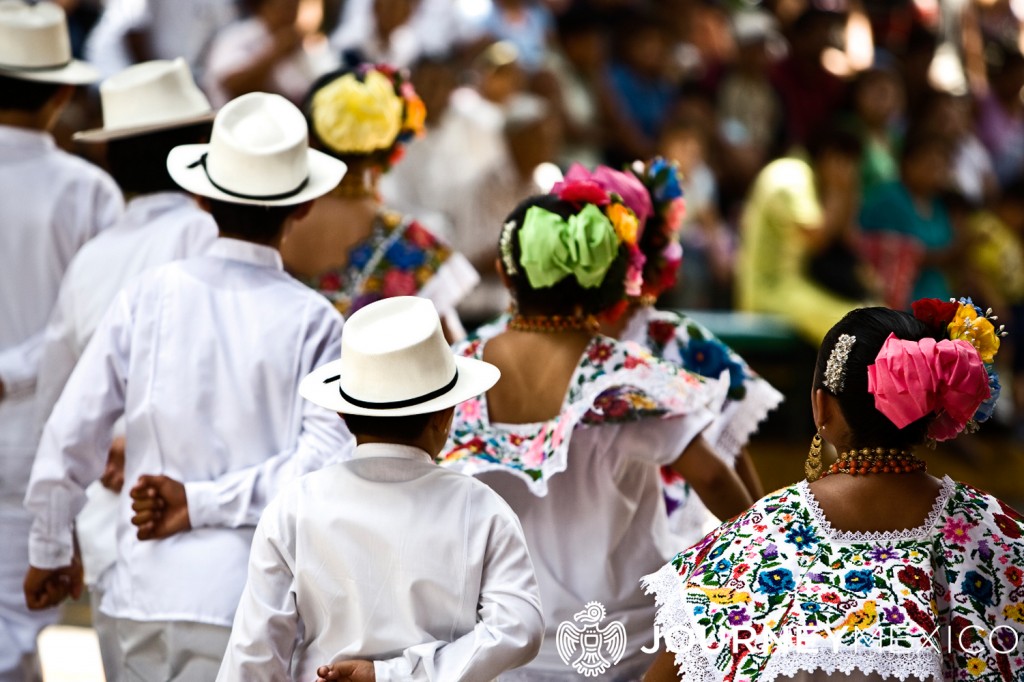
pixel 906 117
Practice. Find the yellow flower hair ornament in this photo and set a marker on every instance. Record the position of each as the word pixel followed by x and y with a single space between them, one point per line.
pixel 366 110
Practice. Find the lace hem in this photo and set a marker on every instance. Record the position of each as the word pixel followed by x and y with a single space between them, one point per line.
pixel 923 664
pixel 921 532
pixel 740 419
pixel 672 621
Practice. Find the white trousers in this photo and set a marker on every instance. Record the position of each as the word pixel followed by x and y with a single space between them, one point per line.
pixel 19 627
pixel 170 651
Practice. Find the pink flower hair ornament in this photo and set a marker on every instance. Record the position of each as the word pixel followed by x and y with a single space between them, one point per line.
pixel 912 379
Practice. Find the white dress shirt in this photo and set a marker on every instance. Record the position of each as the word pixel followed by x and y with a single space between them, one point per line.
pixel 391 558
pixel 155 229
pixel 50 204
pixel 203 357
pixel 601 525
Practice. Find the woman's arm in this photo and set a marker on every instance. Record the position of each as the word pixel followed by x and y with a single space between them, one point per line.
pixel 717 485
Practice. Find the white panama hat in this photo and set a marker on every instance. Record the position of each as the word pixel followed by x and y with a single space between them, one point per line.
pixel 147 98
pixel 258 154
pixel 396 363
pixel 35 46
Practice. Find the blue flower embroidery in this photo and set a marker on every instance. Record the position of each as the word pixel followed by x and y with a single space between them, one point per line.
pixel 977 587
pixel 859 581
pixel 776 581
pixel 723 566
pixel 404 255
pixel 801 536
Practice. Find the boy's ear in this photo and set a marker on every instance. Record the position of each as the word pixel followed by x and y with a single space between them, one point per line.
pixel 301 211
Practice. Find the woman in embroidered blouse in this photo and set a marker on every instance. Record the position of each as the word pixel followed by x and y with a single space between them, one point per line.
pixel 350 247
pixel 574 434
pixel 873 568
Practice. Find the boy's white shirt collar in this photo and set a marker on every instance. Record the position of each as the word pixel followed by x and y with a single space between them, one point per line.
pixel 246 252
pixel 17 137
pixel 392 450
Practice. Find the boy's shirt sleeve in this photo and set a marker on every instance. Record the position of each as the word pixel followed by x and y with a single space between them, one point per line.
pixel 237 498
pixel 266 623
pixel 510 623
pixel 19 365
pixel 76 438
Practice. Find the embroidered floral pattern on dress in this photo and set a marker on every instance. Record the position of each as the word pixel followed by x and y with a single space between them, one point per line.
pixel 614 382
pixel 874 599
pixel 397 259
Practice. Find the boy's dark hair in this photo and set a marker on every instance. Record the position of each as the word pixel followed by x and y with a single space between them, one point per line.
pixel 260 224
pixel 139 163
pixel 869 428
pixel 22 95
pixel 563 297
pixel 396 429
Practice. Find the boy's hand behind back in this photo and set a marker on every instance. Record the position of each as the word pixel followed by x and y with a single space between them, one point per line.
pixel 347 671
pixel 160 506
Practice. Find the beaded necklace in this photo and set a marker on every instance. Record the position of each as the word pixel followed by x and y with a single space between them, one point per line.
pixel 551 324
pixel 876 461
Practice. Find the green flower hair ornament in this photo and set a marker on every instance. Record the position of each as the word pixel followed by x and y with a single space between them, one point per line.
pixel 552 248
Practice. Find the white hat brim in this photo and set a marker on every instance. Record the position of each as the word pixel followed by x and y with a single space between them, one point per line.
pixel 76 72
pixel 106 134
pixel 325 172
pixel 321 386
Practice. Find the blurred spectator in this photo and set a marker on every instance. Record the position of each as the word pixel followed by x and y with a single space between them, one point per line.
pixel 578 72
pixel 795 210
pixel 382 35
pixel 916 61
pixel 877 111
pixel 911 206
pixel 263 52
pixel 412 186
pixel 132 31
pixel 810 93
pixel 706 279
pixel 527 24
pixel 471 138
pixel 951 117
pixel 642 94
pixel 748 110
pixel 533 137
pixel 1001 117
pixel 432 30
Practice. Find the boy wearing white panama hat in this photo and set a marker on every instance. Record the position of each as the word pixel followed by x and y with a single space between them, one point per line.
pixel 148 109
pixel 388 567
pixel 50 204
pixel 202 357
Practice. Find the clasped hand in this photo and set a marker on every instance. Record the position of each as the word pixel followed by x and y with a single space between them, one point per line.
pixel 160 506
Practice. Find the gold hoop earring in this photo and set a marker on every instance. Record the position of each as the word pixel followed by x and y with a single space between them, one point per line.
pixel 812 467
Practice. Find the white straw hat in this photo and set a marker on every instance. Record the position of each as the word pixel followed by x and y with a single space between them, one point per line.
pixel 149 97
pixel 258 154
pixel 395 363
pixel 35 46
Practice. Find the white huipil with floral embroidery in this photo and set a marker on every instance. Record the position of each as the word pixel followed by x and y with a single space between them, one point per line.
pixel 587 488
pixel 813 601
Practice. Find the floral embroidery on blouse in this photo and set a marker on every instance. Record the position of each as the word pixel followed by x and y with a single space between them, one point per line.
pixel 781 568
pixel 614 382
pixel 397 259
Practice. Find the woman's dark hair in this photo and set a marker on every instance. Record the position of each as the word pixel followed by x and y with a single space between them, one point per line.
pixel 564 297
pixel 836 138
pixel 396 429
pixel 253 223
pixel 23 95
pixel 139 163
pixel 869 428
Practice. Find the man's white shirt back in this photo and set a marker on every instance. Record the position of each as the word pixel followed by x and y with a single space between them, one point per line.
pixel 203 358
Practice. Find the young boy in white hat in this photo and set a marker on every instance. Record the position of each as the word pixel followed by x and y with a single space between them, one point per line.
pixel 203 358
pixel 148 109
pixel 388 566
pixel 50 204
